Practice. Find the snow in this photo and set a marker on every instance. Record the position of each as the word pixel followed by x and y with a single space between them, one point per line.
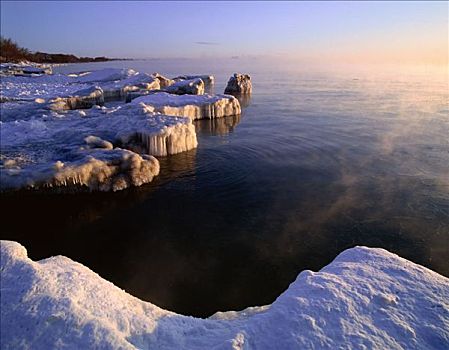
pixel 367 298
pixel 192 106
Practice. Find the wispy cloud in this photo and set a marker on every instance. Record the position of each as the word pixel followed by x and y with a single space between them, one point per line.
pixel 206 43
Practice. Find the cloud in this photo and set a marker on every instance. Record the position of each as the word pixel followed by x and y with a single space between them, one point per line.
pixel 206 43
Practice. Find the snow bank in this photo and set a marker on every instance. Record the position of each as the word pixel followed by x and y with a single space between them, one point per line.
pixel 191 106
pixel 365 299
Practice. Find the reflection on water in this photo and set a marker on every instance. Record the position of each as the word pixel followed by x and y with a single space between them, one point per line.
pixel 244 99
pixel 217 126
pixel 315 164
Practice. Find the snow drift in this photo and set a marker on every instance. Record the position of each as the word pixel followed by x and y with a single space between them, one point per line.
pixel 365 299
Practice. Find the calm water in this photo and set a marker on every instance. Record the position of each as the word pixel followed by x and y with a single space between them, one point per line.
pixel 317 163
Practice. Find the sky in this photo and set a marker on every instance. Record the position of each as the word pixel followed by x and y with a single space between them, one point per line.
pixel 386 32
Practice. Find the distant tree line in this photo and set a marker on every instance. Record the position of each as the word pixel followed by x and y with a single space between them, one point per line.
pixel 10 51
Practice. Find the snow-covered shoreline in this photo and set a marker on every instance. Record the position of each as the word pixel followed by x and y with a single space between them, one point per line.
pixel 367 298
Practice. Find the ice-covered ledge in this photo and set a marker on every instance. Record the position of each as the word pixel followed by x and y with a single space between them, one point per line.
pixel 191 106
pixel 366 298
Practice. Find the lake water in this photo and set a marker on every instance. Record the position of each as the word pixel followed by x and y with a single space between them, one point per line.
pixel 317 162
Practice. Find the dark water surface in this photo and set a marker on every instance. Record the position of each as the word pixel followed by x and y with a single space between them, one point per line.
pixel 317 163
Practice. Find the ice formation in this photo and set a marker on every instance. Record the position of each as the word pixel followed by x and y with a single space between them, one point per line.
pixel 103 170
pixel 57 128
pixel 192 106
pixel 239 84
pixel 190 87
pixel 31 148
pixel 366 298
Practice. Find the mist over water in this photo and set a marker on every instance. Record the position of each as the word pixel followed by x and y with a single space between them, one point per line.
pixel 318 162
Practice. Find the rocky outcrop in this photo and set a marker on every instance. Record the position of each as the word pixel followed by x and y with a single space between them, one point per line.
pixel 239 84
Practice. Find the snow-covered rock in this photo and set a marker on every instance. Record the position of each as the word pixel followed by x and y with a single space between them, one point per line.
pixel 366 298
pixel 190 87
pixel 33 149
pixel 239 84
pixel 191 106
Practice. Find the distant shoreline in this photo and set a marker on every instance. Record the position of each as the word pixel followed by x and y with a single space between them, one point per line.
pixel 47 58
pixel 11 52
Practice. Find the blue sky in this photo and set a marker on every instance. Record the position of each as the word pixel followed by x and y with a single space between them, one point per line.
pixel 311 30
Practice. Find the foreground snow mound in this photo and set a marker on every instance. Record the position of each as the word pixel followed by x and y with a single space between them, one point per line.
pixel 366 299
pixel 191 106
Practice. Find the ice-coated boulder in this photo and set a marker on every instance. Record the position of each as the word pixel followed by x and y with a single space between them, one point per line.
pixel 367 298
pixel 191 106
pixel 189 87
pixel 85 98
pixel 239 84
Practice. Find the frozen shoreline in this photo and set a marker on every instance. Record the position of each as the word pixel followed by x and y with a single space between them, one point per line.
pixel 366 298
pixel 46 119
